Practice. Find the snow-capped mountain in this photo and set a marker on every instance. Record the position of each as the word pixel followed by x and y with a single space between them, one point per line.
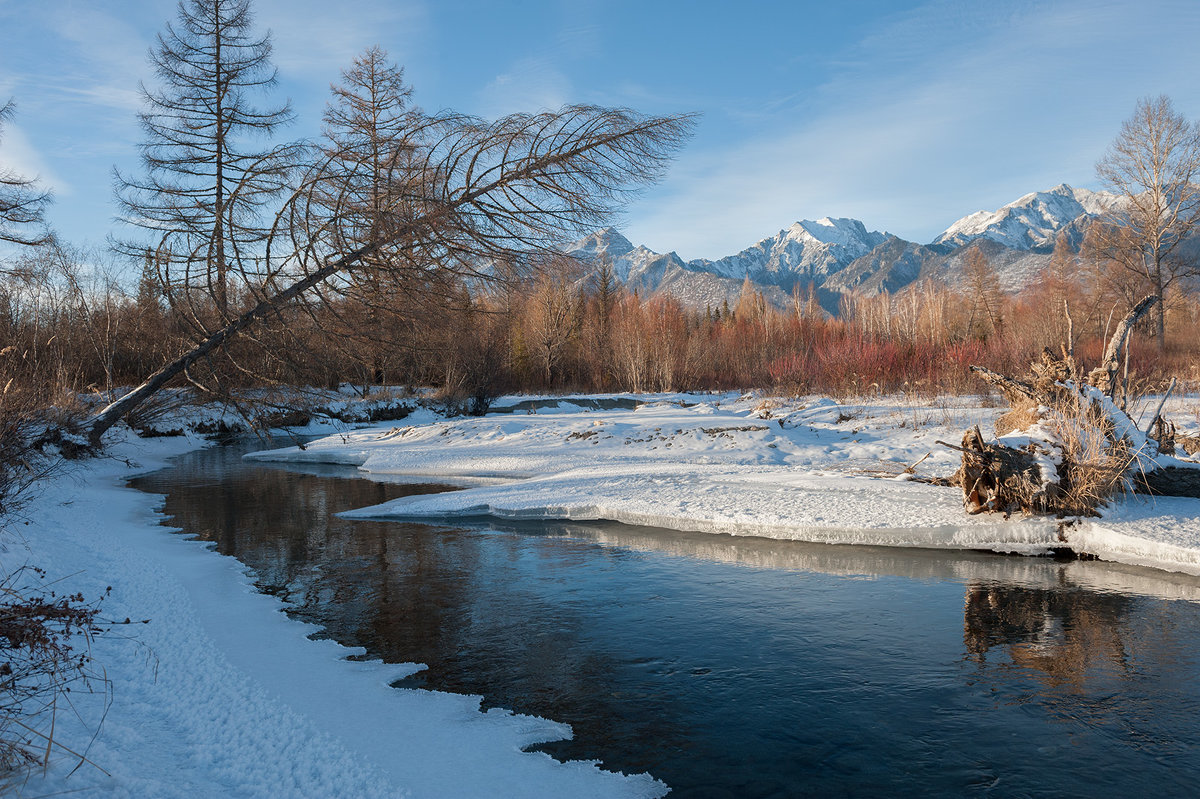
pixel 804 252
pixel 1032 222
pixel 840 256
pixel 634 266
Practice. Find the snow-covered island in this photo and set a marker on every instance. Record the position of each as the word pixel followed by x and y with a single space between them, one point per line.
pixel 809 470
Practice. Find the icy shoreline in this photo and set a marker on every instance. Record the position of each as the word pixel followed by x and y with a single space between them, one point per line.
pixel 221 694
pixel 804 470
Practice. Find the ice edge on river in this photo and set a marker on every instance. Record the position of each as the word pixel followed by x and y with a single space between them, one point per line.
pixel 797 471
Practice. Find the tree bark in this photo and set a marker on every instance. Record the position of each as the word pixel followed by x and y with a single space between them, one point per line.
pixel 1104 377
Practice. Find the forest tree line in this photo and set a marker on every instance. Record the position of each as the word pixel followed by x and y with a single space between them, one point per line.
pixel 571 326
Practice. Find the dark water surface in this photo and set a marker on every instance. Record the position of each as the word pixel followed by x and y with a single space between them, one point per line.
pixel 735 667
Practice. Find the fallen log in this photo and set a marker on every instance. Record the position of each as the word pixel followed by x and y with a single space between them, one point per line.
pixel 1065 447
pixel 1169 481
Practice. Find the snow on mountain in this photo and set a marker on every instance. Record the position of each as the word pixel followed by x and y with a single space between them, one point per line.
pixel 1031 222
pixel 805 251
pixel 641 269
pixel 889 267
pixel 603 242
pixel 840 256
pixel 631 265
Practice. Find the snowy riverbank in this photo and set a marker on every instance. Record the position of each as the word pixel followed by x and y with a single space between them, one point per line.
pixel 809 470
pixel 222 695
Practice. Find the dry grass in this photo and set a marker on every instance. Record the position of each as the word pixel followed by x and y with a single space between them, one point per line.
pixel 45 635
pixel 1098 464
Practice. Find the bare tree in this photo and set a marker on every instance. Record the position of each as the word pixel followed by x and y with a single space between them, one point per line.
pixel 368 150
pixel 553 316
pixel 983 290
pixel 22 203
pixel 606 291
pixel 205 182
pixel 475 194
pixel 1153 164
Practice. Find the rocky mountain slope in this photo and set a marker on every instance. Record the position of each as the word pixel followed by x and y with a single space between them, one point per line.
pixel 841 256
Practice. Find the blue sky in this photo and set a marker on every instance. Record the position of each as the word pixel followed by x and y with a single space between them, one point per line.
pixel 906 115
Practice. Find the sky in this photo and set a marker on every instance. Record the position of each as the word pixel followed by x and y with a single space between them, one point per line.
pixel 905 115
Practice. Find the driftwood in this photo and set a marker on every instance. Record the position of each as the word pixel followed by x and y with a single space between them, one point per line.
pixel 993 477
pixel 1169 481
pixel 1081 447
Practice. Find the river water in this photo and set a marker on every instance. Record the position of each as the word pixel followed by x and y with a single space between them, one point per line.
pixel 740 667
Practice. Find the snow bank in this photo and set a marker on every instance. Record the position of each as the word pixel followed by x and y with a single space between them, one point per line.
pixel 805 470
pixel 222 695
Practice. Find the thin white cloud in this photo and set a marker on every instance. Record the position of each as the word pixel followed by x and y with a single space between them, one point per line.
pixel 19 156
pixel 936 114
pixel 113 49
pixel 530 84
pixel 319 39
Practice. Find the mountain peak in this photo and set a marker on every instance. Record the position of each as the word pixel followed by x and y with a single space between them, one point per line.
pixel 1030 222
pixel 844 256
pixel 608 241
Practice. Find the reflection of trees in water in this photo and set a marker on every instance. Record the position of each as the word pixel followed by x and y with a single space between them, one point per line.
pixel 474 607
pixel 1064 633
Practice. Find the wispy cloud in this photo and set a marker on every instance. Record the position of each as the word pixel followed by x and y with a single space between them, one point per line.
pixel 19 156
pixel 935 113
pixel 319 39
pixel 531 84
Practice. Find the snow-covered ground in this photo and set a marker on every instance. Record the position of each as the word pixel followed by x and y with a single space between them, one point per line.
pixel 222 695
pixel 811 470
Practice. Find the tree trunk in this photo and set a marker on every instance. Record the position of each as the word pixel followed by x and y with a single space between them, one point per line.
pixel 1170 481
pixel 1003 479
pixel 100 423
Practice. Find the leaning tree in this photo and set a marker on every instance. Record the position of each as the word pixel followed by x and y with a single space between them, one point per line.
pixel 472 194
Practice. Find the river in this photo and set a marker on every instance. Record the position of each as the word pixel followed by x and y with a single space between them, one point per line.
pixel 739 667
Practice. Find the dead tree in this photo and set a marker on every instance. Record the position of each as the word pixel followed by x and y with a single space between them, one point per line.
pixel 207 178
pixel 1065 446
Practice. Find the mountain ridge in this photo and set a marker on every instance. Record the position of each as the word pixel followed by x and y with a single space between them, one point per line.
pixel 840 256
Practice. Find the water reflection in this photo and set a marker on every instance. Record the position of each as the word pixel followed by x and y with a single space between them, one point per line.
pixel 737 666
pixel 1063 633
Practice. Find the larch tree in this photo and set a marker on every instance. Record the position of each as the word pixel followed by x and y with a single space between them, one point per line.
pixel 207 174
pixel 982 287
pixel 1153 164
pixel 473 194
pixel 22 202
pixel 367 151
